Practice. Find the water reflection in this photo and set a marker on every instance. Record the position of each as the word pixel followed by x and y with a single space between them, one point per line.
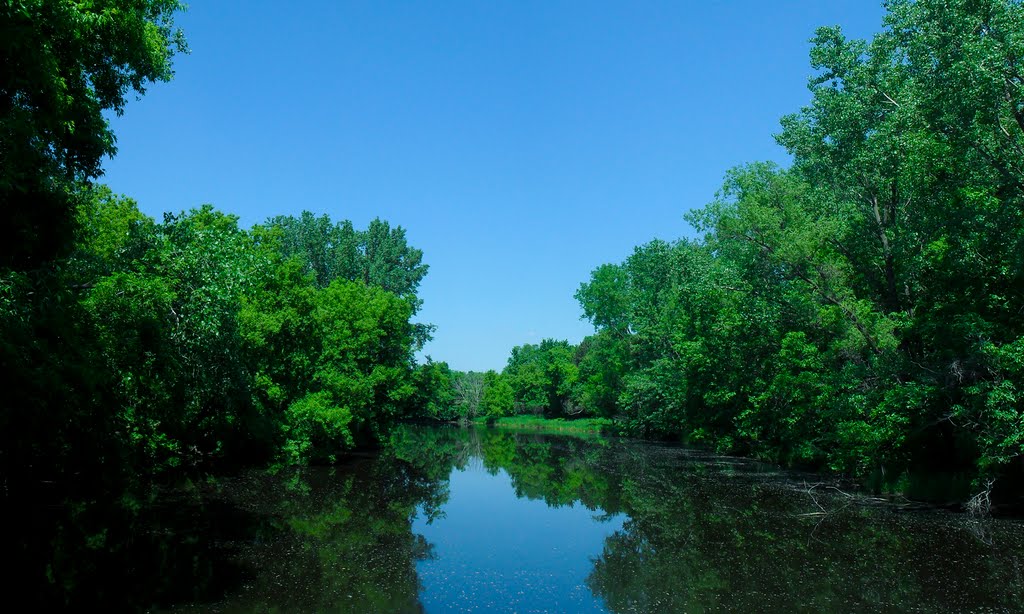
pixel 337 540
pixel 701 533
pixel 448 519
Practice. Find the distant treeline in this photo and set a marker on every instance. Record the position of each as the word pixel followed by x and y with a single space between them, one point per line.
pixel 861 310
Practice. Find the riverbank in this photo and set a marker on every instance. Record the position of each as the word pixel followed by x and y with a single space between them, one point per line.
pixel 598 426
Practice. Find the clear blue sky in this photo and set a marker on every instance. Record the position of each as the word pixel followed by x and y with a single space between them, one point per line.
pixel 521 144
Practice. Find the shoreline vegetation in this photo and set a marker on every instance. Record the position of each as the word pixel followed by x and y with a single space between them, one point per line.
pixel 597 426
pixel 919 491
pixel 857 312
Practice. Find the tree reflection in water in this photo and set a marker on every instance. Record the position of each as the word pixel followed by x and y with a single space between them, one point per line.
pixel 707 533
pixel 701 533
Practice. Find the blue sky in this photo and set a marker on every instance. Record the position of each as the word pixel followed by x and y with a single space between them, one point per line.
pixel 521 144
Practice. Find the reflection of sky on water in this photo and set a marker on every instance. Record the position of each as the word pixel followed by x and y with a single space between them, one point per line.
pixel 496 552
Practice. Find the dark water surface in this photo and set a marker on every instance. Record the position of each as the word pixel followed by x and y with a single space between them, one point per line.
pixel 450 520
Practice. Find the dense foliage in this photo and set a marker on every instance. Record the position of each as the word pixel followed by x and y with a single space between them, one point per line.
pixel 143 348
pixel 143 345
pixel 206 340
pixel 860 309
pixel 64 64
pixel 161 347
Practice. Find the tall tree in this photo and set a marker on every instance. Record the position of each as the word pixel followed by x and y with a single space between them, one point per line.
pixel 378 256
pixel 65 64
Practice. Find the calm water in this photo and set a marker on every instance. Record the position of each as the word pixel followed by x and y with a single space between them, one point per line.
pixel 450 520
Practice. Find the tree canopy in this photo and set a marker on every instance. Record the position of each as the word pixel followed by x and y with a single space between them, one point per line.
pixel 860 309
pixel 65 64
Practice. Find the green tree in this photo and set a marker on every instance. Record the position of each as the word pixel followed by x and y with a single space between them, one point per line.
pixel 436 392
pixel 362 380
pixel 65 65
pixel 378 256
pixel 857 309
pixel 498 397
pixel 542 377
pixel 601 364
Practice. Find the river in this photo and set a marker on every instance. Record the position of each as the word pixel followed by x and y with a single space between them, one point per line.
pixel 482 520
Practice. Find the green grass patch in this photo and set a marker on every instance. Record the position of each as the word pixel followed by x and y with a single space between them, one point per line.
pixel 578 425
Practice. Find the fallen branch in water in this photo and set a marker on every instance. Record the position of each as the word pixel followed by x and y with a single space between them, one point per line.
pixel 981 503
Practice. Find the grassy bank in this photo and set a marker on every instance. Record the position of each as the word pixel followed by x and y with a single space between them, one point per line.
pixel 539 423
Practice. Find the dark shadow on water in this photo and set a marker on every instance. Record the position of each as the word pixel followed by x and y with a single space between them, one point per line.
pixel 118 553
